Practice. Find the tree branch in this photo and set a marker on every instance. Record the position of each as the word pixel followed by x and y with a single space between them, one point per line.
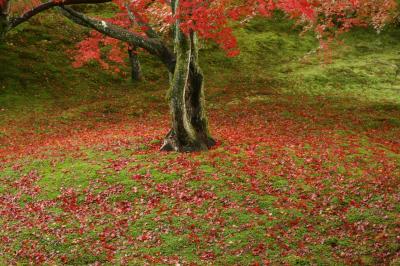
pixel 135 17
pixel 152 45
pixel 42 7
pixel 130 14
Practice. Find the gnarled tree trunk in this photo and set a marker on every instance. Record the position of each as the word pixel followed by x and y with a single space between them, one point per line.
pixel 189 123
pixel 194 97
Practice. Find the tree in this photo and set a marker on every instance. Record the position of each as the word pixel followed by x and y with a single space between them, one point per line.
pixel 190 20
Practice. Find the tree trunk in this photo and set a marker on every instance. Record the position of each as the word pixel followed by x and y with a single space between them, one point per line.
pixel 194 98
pixel 4 22
pixel 136 69
pixel 189 123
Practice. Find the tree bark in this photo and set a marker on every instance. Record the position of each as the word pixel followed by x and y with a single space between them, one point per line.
pixel 195 99
pixel 189 122
pixel 136 69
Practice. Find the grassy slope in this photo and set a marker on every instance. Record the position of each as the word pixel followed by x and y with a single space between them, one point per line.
pixel 300 182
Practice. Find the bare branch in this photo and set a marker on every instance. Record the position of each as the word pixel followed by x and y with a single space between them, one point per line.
pixel 136 18
pixel 130 14
pixel 45 6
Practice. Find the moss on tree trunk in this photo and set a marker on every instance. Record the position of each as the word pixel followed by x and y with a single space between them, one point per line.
pixel 189 122
pixel 194 98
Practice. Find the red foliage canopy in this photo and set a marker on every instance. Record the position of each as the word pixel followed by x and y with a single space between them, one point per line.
pixel 336 17
pixel 211 20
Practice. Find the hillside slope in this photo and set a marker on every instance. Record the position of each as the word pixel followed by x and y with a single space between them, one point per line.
pixel 306 170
